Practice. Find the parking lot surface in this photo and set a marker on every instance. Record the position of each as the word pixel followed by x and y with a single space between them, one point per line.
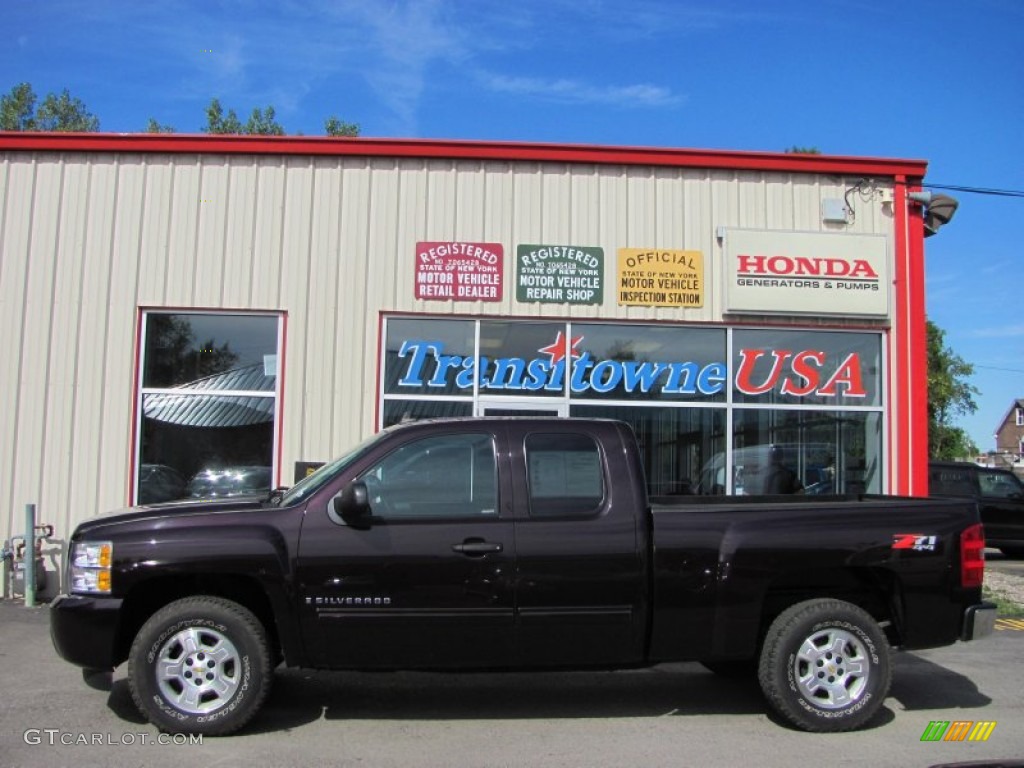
pixel 671 715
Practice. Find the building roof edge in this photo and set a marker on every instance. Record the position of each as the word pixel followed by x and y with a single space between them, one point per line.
pixel 451 149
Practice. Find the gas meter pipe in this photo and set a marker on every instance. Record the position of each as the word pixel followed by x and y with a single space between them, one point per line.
pixel 30 555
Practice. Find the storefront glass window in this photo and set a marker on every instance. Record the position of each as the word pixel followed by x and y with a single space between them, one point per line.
pixel 623 362
pixel 807 367
pixel 184 349
pixel 433 358
pixel 208 406
pixel 398 411
pixel 816 396
pixel 806 451
pixel 522 359
pixel 676 444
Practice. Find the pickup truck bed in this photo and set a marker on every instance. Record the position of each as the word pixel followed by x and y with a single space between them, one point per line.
pixel 730 563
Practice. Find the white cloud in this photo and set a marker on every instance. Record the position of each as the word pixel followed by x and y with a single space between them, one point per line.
pixel 407 38
pixel 569 91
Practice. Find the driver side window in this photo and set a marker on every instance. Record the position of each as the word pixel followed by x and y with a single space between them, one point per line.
pixel 442 476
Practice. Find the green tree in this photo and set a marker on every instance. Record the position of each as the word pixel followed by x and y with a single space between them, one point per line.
pixel 155 127
pixel 335 127
pixel 950 395
pixel 218 122
pixel 262 123
pixel 18 112
pixel 17 109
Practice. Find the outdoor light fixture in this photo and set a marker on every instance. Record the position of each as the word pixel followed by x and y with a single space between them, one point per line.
pixel 937 209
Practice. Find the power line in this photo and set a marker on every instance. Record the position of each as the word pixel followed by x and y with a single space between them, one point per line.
pixel 977 190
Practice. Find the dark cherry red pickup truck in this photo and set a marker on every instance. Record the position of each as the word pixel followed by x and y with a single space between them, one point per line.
pixel 517 544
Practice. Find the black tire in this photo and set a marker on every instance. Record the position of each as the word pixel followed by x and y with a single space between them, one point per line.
pixel 1014 552
pixel 200 665
pixel 825 666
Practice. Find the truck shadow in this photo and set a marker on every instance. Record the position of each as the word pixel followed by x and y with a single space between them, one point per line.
pixel 301 696
pixel 920 684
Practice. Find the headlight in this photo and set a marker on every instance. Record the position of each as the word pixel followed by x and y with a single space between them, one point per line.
pixel 90 563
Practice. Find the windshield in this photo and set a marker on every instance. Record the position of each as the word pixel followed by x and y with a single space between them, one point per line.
pixel 314 482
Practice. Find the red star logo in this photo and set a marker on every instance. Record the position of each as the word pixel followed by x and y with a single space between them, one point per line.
pixel 557 348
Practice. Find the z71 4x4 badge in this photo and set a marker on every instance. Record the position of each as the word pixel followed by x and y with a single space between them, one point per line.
pixel 918 542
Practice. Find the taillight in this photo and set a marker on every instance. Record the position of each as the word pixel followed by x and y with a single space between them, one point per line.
pixel 972 556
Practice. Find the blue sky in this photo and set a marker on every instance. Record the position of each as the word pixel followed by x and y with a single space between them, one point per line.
pixel 941 81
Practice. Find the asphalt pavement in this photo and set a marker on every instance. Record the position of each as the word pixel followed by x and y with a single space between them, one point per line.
pixel 671 715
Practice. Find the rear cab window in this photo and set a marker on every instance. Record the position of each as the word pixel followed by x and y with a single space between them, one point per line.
pixel 952 481
pixel 565 475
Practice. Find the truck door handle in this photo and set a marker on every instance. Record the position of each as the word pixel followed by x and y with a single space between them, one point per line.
pixel 477 547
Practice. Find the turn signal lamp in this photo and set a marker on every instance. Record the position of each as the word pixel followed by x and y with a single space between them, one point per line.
pixel 90 564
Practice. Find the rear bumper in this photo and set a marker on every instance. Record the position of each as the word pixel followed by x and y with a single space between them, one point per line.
pixel 84 629
pixel 979 621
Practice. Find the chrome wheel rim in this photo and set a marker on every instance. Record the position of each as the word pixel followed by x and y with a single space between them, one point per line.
pixel 831 668
pixel 198 670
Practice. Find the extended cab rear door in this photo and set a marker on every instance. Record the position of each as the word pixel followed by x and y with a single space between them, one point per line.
pixel 581 558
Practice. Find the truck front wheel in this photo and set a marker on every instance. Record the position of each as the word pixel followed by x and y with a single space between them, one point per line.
pixel 825 666
pixel 200 665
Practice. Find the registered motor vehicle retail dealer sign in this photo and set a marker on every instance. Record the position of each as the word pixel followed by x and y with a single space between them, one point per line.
pixel 455 271
pixel 806 273
pixel 559 274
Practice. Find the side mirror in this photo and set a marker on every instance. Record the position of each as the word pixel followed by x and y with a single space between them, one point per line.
pixel 353 505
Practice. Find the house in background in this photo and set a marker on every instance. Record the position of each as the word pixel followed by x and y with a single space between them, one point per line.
pixel 1010 435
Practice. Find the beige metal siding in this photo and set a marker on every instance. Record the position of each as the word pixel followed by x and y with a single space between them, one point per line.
pixel 89 239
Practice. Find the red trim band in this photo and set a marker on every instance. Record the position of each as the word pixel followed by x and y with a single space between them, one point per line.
pixel 179 143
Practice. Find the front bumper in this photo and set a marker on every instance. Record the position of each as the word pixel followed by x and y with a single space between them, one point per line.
pixel 84 629
pixel 979 621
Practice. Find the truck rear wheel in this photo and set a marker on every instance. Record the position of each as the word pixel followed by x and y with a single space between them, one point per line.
pixel 200 665
pixel 825 666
